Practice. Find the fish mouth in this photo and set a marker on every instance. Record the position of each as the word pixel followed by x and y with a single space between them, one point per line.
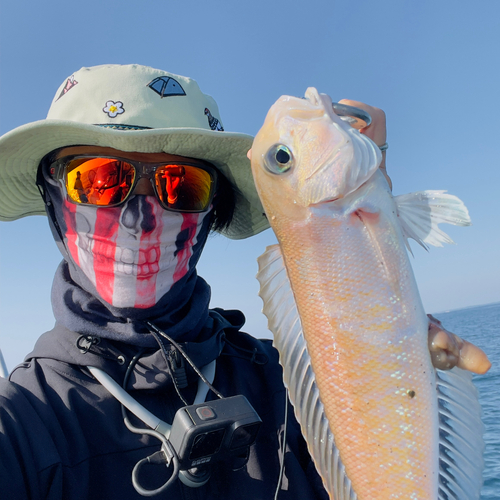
pixel 347 197
pixel 327 201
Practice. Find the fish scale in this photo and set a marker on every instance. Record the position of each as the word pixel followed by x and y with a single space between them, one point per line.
pixel 375 421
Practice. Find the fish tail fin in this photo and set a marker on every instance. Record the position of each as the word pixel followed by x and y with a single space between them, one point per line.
pixel 421 213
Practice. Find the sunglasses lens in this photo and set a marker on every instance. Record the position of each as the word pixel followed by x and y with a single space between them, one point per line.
pixel 108 181
pixel 184 187
pixel 99 181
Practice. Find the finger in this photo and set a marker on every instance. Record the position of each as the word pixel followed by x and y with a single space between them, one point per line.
pixel 444 350
pixel 473 359
pixel 377 131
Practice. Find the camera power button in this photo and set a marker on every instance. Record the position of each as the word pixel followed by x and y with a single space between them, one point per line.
pixel 205 413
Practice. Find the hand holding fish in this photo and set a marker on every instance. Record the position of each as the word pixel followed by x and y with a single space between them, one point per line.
pixel 449 350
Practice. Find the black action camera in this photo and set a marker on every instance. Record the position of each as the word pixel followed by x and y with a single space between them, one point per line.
pixel 215 431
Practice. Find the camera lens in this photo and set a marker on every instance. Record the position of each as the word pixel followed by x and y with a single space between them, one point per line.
pixel 244 436
pixel 206 444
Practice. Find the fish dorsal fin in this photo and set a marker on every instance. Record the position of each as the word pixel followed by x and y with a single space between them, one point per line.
pixel 420 214
pixel 284 323
pixel 461 444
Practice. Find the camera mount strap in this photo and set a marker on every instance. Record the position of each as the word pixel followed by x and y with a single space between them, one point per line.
pixel 151 420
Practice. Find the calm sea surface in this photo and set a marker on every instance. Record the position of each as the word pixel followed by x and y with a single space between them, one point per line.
pixel 481 326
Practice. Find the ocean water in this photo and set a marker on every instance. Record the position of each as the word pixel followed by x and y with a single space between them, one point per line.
pixel 481 326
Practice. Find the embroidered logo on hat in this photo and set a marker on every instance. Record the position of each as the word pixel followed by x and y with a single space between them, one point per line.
pixel 166 86
pixel 70 83
pixel 213 122
pixel 113 109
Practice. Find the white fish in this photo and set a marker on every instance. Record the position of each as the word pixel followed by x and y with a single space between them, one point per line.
pixel 347 318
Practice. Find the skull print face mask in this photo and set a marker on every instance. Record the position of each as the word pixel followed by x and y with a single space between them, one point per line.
pixel 134 253
pixel 130 256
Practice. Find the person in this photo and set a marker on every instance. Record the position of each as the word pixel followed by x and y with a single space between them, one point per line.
pixel 127 300
pixel 78 187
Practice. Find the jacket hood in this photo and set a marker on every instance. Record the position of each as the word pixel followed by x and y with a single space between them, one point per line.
pixel 151 371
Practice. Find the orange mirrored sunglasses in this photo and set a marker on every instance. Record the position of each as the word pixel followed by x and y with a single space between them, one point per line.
pixel 108 181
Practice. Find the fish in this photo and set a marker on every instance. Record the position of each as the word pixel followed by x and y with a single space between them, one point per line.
pixel 346 316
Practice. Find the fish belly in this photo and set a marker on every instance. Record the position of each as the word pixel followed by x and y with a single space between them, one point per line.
pixel 366 334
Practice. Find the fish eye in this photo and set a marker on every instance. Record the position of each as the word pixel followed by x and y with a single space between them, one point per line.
pixel 278 159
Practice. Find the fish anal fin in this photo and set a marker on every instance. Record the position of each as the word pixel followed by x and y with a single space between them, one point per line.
pixel 298 376
pixel 461 444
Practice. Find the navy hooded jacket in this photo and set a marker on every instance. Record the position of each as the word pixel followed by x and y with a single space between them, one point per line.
pixel 62 435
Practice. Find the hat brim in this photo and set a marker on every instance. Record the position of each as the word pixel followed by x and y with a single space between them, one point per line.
pixel 22 149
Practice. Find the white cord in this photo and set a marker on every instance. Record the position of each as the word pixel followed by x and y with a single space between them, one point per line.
pixel 129 402
pixel 138 410
pixel 209 373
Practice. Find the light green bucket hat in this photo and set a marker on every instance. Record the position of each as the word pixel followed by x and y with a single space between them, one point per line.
pixel 129 108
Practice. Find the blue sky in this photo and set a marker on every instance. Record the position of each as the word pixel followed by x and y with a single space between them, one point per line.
pixel 432 66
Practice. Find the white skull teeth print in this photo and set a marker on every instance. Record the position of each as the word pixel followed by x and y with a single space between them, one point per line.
pixel 132 254
pixel 147 262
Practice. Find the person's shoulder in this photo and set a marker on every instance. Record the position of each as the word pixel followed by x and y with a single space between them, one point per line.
pixel 16 403
pixel 27 442
pixel 21 391
pixel 8 391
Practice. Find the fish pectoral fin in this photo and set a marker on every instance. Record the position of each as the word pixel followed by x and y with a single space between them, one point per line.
pixel 421 213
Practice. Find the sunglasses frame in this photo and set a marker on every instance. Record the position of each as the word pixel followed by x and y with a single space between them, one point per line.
pixel 145 170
